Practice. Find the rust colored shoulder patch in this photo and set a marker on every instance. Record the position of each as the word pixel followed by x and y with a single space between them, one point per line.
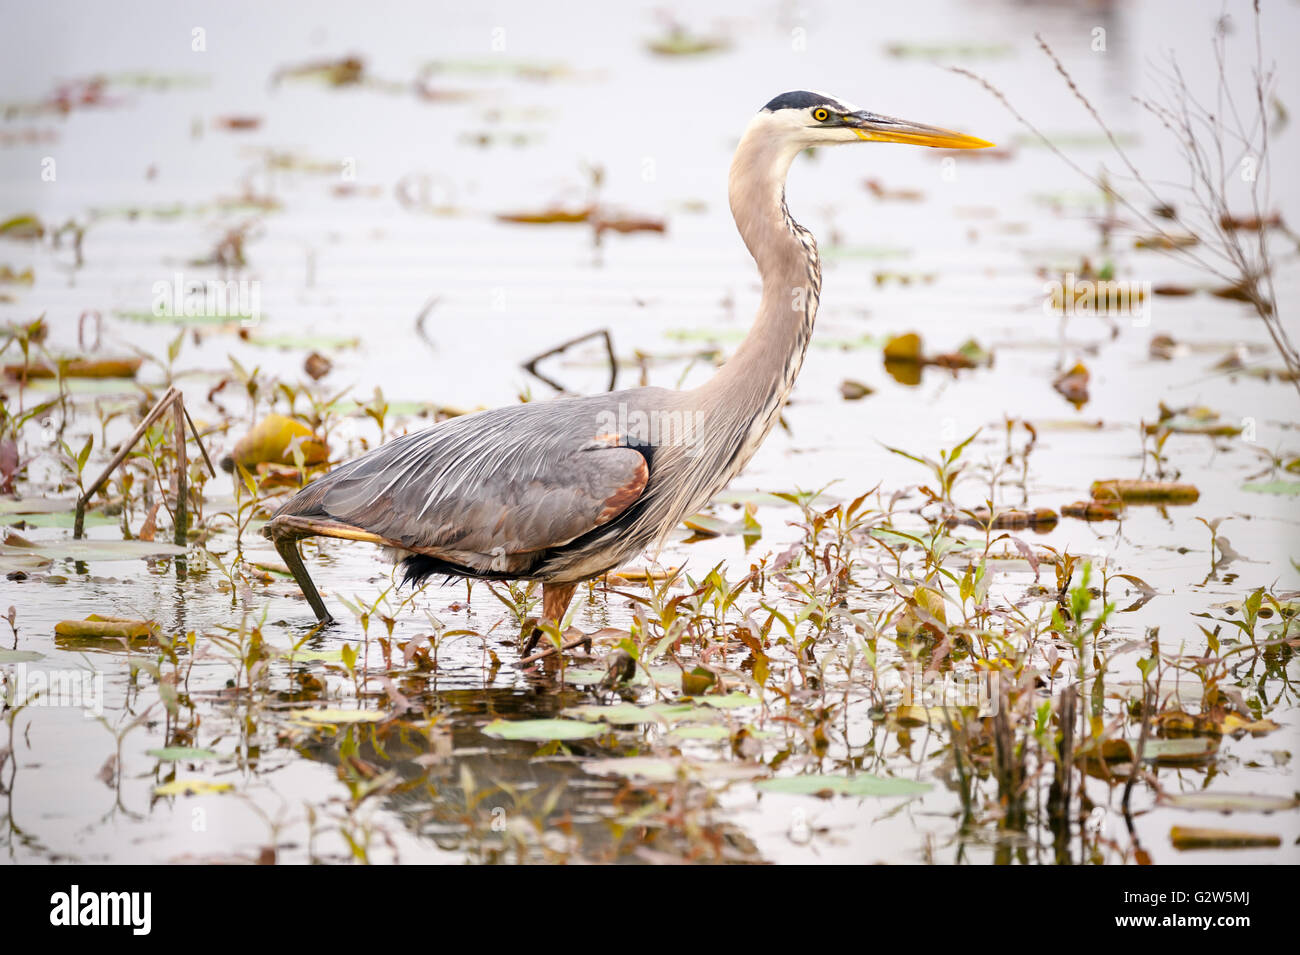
pixel 622 499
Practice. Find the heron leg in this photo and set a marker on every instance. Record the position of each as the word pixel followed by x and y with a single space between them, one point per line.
pixel 288 548
pixel 555 601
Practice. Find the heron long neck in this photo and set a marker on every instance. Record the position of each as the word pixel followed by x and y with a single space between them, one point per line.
pixel 751 388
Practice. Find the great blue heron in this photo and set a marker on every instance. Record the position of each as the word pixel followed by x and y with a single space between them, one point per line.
pixel 564 490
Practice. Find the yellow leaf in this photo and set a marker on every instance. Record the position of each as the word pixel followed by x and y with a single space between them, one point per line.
pixel 1236 723
pixel 191 787
pixel 104 628
pixel 904 348
pixel 272 440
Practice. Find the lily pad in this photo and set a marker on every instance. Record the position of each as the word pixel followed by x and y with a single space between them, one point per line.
pixel 1290 488
pixel 19 656
pixel 57 519
pixel 710 733
pixel 95 550
pixel 35 505
pixel 16 560
pixel 863 784
pixel 1180 752
pixel 619 714
pixel 676 712
pixel 1230 802
pixel 181 753
pixel 544 731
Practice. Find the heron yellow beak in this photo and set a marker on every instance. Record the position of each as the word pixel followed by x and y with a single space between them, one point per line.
pixel 884 129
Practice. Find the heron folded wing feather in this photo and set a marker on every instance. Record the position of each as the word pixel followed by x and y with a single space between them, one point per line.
pixel 487 505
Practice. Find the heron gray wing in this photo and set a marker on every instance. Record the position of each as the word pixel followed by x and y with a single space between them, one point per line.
pixel 488 490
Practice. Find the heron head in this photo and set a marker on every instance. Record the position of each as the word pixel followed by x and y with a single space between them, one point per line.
pixel 807 119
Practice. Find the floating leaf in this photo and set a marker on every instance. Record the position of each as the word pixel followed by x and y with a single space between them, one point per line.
pixel 949 51
pixel 1289 488
pixel 624 225
pixel 710 733
pixel 706 525
pixel 54 517
pixel 547 217
pixel 330 342
pixel 1145 492
pixel 1236 724
pixel 1180 752
pixel 21 560
pixel 698 681
pixel 653 769
pixel 903 348
pixel 1230 802
pixel 94 550
pixel 36 505
pixel 1094 510
pixel 191 787
pixel 583 676
pixel 273 441
pixel 675 712
pixel 78 368
pixel 852 390
pixel 1109 751
pixel 680 42
pixel 19 656
pixel 912 715
pixel 1165 241
pixel 1178 724
pixel 1073 385
pixel 324 656
pixel 1041 518
pixel 544 730
pixel 1190 837
pixel 345 71
pixel 621 714
pixel 105 628
pixel 182 753
pixel 22 227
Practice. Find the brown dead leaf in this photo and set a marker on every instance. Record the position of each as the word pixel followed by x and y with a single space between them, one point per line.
pixel 1073 385
pixel 1196 837
pixel 1144 492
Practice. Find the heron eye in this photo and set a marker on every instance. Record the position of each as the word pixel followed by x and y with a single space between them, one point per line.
pixel 821 115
